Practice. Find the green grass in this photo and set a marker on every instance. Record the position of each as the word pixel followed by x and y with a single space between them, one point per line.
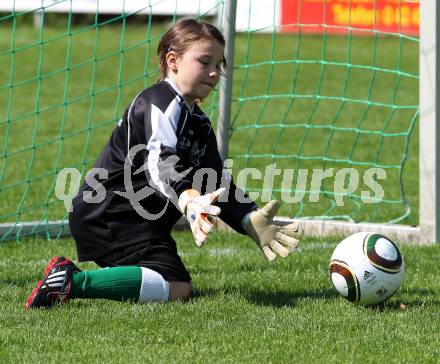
pixel 310 108
pixel 244 310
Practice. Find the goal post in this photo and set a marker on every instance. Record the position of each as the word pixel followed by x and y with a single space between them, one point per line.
pixel 429 118
pixel 226 19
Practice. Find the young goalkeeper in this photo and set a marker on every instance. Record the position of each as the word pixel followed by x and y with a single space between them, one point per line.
pixel 154 167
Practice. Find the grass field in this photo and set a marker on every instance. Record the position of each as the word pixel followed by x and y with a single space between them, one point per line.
pixel 302 102
pixel 244 310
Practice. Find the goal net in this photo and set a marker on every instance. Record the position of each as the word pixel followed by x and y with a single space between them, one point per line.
pixel 324 103
pixel 329 97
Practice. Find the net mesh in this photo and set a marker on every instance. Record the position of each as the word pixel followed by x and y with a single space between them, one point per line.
pixel 340 103
pixel 301 101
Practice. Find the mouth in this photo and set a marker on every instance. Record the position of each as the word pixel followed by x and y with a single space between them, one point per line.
pixel 208 84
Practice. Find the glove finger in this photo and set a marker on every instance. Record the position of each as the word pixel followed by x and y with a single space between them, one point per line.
pixel 210 210
pixel 291 229
pixel 205 225
pixel 214 196
pixel 287 240
pixel 269 253
pixel 199 236
pixel 281 250
pixel 271 208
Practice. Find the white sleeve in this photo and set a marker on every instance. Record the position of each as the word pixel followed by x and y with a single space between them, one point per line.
pixel 163 135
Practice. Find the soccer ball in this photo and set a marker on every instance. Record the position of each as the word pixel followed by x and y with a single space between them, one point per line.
pixel 366 268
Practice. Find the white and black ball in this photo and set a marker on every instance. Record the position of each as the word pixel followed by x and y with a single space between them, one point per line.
pixel 366 268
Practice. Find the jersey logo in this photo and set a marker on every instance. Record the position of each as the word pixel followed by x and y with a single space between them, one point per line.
pixel 197 154
pixel 184 143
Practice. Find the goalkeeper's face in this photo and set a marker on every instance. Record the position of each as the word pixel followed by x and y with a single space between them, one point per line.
pixel 197 71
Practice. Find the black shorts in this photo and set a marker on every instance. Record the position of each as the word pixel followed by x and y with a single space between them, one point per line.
pixel 158 254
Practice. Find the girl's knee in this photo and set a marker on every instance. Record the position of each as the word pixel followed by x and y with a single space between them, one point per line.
pixel 179 290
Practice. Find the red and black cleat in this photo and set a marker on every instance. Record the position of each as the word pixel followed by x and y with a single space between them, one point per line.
pixel 56 285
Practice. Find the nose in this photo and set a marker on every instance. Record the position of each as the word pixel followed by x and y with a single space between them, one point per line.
pixel 214 73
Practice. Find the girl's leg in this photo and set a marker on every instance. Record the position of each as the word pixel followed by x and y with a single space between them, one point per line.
pixel 133 283
pixel 63 280
pixel 179 290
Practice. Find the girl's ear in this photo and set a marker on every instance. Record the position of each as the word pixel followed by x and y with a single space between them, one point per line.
pixel 172 61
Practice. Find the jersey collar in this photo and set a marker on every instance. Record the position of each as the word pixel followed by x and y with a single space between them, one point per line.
pixel 174 86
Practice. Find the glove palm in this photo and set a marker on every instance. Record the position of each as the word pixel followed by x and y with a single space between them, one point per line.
pixel 197 210
pixel 271 237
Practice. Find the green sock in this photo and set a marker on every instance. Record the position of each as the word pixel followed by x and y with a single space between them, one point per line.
pixel 118 283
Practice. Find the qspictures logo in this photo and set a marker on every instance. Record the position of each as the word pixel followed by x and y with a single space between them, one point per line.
pixel 302 185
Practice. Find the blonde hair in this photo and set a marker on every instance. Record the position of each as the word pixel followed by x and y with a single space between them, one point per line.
pixel 181 35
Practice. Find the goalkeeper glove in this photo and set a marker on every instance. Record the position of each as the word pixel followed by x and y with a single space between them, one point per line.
pixel 269 236
pixel 197 209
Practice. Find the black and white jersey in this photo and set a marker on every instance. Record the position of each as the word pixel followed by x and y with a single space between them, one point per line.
pixel 164 148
